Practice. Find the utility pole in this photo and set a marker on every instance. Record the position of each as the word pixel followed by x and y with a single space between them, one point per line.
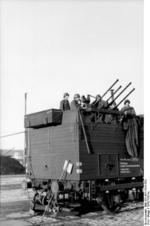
pixel 25 98
pixel 25 143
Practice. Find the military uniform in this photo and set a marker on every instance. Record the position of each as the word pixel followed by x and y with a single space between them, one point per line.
pixel 130 125
pixel 75 105
pixel 98 104
pixel 64 105
pixel 127 110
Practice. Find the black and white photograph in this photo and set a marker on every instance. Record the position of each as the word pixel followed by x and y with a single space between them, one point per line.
pixel 72 113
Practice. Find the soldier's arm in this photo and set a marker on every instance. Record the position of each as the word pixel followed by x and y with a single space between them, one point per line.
pixel 61 105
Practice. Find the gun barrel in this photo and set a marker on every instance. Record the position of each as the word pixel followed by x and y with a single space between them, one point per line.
pixel 114 92
pixel 124 97
pixel 92 96
pixel 121 92
pixel 117 89
pixel 110 87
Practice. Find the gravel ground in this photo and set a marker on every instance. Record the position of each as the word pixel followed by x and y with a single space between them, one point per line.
pixel 14 210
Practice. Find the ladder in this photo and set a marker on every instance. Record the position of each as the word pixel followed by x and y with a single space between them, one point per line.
pixel 62 177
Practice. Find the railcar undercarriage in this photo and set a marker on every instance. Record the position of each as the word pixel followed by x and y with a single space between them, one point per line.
pixel 52 196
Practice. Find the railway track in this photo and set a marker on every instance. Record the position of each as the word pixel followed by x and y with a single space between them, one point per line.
pixel 92 218
pixel 14 210
pixel 131 206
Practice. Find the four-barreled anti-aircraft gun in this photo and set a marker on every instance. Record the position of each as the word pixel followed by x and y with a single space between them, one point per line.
pixel 112 104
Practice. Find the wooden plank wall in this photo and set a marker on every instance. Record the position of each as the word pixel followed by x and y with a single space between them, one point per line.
pixel 103 139
pixel 51 146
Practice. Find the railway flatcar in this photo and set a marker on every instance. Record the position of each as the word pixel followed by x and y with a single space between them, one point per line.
pixel 75 156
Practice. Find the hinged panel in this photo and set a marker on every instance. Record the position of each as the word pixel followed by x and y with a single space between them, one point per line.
pixel 108 165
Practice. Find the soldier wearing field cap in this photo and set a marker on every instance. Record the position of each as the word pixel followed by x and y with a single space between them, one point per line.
pixel 64 104
pixel 76 103
pixel 98 103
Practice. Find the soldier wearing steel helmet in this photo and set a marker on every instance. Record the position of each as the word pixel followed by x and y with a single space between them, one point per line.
pixel 76 103
pixel 127 109
pixel 130 125
pixel 64 104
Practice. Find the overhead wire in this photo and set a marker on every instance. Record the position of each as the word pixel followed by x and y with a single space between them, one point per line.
pixel 11 134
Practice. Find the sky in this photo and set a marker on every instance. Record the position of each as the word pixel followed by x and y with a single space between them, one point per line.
pixel 52 47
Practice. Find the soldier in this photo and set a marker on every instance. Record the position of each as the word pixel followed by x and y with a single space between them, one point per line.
pixel 76 103
pixel 64 104
pixel 88 99
pixel 127 109
pixel 98 102
pixel 110 118
pixel 113 105
pixel 85 102
pixel 130 125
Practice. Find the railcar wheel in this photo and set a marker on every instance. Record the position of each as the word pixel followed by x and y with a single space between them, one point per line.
pixel 112 202
pixel 34 202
